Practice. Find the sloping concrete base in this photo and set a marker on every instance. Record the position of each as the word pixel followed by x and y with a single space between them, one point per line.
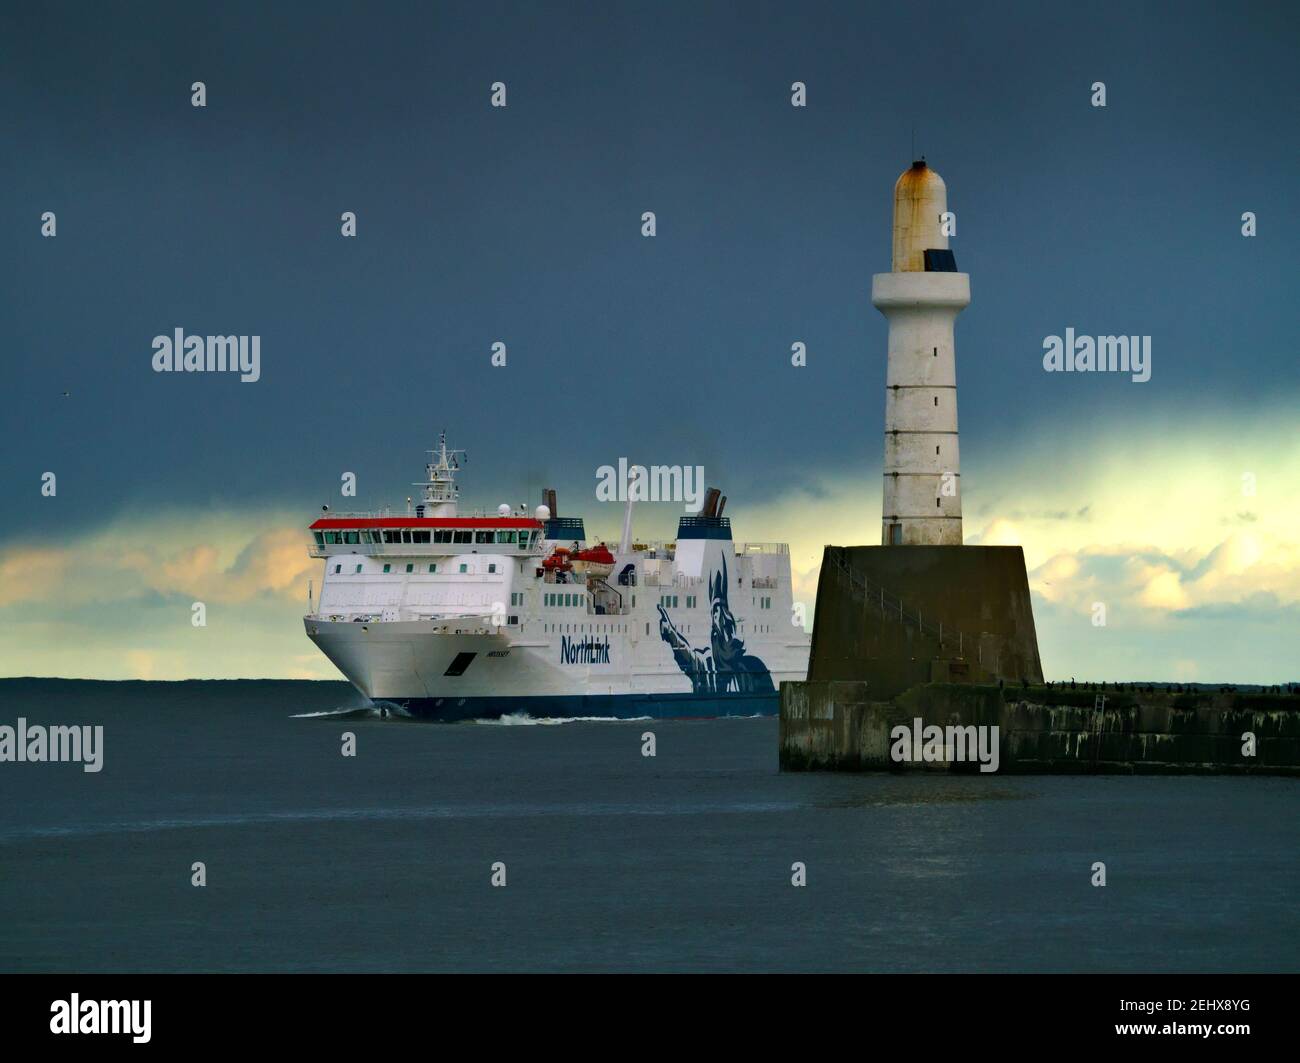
pixel 898 616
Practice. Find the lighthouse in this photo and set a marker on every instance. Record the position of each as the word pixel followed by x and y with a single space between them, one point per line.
pixel 921 297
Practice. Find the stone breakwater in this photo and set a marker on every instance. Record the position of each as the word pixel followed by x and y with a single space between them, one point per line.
pixel 839 726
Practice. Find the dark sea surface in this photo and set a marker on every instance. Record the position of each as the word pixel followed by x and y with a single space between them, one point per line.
pixel 614 861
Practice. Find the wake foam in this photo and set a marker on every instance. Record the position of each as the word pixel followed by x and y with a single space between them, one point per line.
pixel 379 710
pixel 522 719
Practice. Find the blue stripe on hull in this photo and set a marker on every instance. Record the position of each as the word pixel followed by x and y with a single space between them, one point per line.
pixel 613 706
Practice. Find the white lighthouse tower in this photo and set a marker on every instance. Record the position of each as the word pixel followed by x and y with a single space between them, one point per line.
pixel 921 297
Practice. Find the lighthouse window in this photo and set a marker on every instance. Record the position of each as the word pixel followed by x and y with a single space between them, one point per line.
pixel 940 260
pixel 936 400
pixel 936 449
pixel 388 568
pixel 936 502
pixel 338 569
pixel 463 536
pixel 936 352
pixel 358 570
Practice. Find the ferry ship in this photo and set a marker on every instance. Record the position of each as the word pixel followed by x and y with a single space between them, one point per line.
pixel 456 617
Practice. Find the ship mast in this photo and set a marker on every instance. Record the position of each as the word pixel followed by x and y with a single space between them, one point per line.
pixel 440 490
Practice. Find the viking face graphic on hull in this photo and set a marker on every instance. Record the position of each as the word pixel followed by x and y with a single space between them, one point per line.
pixel 725 667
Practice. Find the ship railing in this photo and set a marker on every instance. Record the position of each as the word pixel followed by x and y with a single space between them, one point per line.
pixel 387 514
pixel 762 548
pixel 892 607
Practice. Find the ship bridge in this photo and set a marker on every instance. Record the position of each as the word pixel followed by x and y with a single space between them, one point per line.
pixel 415 535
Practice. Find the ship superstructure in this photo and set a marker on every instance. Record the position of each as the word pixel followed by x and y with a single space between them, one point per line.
pixel 459 617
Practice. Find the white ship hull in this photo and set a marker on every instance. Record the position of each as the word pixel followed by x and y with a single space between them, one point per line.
pixel 406 663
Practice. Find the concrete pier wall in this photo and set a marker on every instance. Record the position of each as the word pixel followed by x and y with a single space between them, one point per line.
pixel 838 726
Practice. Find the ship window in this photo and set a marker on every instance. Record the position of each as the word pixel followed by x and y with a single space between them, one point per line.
pixel 410 568
pixel 388 568
pixel 513 620
pixel 419 536
pixel 358 570
pixel 320 539
pixel 391 536
pixel 433 568
pixel 463 536
pixel 505 537
pixel 331 537
pixel 634 601
pixel 492 568
pixel 464 568
pixel 338 569
pixel 442 535
pixel 483 537
pixel 352 538
pixel 406 536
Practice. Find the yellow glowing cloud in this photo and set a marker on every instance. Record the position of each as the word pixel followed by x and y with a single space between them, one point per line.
pixel 1162 527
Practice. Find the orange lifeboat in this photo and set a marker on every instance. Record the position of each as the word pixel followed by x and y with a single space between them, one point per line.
pixel 558 561
pixel 596 561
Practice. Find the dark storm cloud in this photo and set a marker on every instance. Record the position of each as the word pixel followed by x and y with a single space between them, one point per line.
pixel 522 225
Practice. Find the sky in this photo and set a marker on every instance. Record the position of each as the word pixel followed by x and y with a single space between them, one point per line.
pixel 1173 501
